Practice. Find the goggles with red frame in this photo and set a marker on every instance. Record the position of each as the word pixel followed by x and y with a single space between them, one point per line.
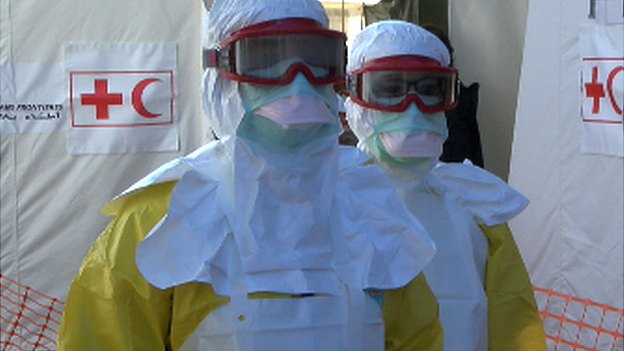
pixel 393 83
pixel 273 52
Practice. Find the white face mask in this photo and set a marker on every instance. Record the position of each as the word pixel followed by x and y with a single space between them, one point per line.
pixel 420 144
pixel 297 110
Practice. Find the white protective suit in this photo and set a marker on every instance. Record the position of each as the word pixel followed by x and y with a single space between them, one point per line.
pixel 457 203
pixel 244 219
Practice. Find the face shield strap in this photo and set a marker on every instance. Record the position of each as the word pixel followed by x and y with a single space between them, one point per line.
pixel 401 62
pixel 280 27
pixel 217 58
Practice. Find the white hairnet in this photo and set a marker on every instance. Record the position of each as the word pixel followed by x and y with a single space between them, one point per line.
pixel 392 38
pixel 222 103
pixel 383 39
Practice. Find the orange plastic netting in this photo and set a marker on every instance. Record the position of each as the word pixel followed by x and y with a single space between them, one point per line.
pixel 574 324
pixel 29 319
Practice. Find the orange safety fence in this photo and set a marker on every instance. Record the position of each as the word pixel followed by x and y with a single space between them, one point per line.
pixel 29 320
pixel 574 324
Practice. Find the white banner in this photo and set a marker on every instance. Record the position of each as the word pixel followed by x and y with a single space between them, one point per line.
pixel 122 98
pixel 602 89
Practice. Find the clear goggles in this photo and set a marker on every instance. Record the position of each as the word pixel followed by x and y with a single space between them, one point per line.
pixel 273 52
pixel 393 83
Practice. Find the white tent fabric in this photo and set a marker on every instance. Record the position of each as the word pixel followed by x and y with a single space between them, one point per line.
pixel 49 198
pixel 571 234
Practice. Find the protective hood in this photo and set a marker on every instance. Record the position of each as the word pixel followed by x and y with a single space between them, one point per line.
pixel 383 39
pixel 221 99
pixel 394 38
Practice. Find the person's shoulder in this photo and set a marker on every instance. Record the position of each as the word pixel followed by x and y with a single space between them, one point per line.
pixel 489 198
pixel 153 196
pixel 140 211
pixel 112 253
pixel 169 172
pixel 464 170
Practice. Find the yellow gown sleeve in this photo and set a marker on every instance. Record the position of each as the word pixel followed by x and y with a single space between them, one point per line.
pixel 513 320
pixel 411 316
pixel 111 307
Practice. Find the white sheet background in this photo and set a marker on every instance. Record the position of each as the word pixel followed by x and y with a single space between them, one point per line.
pixel 49 199
pixel 571 234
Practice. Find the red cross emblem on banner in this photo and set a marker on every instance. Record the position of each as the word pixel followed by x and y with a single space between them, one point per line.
pixel 121 99
pixel 602 89
pixel 101 98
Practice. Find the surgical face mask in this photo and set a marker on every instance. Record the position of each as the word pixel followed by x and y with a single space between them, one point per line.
pixel 419 144
pixel 279 137
pixel 407 137
pixel 296 110
pixel 290 115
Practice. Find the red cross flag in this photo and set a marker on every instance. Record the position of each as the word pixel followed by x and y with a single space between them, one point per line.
pixel 122 97
pixel 602 89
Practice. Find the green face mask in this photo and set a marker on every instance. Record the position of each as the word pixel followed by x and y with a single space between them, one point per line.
pixel 410 121
pixel 277 137
pixel 378 151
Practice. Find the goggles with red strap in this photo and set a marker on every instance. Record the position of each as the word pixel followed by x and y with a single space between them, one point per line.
pixel 273 52
pixel 392 83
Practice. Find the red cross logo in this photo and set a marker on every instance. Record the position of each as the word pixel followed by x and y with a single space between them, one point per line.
pixel 120 99
pixel 101 99
pixel 595 90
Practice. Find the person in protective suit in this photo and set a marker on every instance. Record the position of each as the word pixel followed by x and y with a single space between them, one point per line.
pixel 400 84
pixel 270 238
